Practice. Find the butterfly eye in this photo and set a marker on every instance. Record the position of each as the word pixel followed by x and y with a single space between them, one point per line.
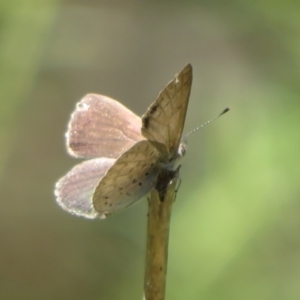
pixel 182 149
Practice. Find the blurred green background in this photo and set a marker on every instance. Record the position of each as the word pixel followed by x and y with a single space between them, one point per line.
pixel 235 231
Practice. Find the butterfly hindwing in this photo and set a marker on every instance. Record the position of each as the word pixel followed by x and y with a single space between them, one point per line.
pixel 74 192
pixel 130 178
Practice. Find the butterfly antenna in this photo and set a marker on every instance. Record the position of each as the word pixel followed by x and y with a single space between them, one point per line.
pixel 209 121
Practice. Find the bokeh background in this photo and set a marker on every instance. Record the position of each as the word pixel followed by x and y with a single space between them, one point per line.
pixel 235 231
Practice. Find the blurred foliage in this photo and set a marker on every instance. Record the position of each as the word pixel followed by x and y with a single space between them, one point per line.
pixel 235 227
pixel 24 31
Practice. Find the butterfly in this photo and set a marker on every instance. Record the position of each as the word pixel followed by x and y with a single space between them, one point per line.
pixel 126 153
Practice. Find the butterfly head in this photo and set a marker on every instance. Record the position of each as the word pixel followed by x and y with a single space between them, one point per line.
pixel 176 159
pixel 182 149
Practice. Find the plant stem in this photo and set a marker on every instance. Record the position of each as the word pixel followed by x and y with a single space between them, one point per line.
pixel 159 215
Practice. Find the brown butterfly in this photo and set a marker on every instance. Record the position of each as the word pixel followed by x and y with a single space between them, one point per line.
pixel 127 153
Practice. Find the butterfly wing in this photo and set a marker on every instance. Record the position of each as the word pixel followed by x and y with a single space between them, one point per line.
pixel 102 127
pixel 130 178
pixel 164 120
pixel 74 191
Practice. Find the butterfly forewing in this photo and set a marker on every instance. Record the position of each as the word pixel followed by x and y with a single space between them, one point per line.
pixel 130 178
pixel 75 190
pixel 102 127
pixel 164 120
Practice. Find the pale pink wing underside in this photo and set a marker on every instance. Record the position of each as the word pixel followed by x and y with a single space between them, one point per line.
pixel 74 192
pixel 129 179
pixel 164 120
pixel 102 127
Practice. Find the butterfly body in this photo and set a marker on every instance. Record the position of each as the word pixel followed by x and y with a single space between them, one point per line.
pixel 136 154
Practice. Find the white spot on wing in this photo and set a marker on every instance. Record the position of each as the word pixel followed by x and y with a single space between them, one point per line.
pixel 83 106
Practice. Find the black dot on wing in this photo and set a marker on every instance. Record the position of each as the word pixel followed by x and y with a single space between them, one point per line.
pixel 147 173
pixel 146 122
pixel 140 184
pixel 134 180
pixel 153 109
